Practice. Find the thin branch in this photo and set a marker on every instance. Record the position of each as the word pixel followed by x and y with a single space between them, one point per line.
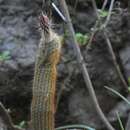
pixel 98 22
pixel 6 118
pixel 127 127
pixel 120 122
pixel 104 4
pixel 95 9
pixel 118 94
pixel 95 26
pixel 92 34
pixel 117 67
pixel 83 66
pixel 79 126
pixel 75 5
pixel 109 14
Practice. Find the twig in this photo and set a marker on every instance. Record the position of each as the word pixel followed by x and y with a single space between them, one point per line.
pixel 98 22
pixel 75 127
pixel 83 66
pixel 6 118
pixel 93 34
pixel 109 14
pixel 117 67
pixel 127 127
pixel 75 5
pixel 120 122
pixel 118 94
pixel 104 4
pixel 115 60
pixel 95 26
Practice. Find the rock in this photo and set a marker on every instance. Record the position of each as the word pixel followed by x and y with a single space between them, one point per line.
pixel 11 64
pixel 81 109
pixel 123 108
pixel 1 1
pixel 125 59
pixel 23 57
pixel 83 21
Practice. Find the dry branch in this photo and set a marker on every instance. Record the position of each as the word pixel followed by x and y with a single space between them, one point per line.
pixel 104 4
pixel 82 65
pixel 111 51
pixel 6 118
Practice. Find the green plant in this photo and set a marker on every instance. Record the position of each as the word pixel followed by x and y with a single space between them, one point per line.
pixel 4 55
pixel 103 13
pixel 122 97
pixel 120 122
pixel 118 94
pixel 81 38
pixel 21 125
